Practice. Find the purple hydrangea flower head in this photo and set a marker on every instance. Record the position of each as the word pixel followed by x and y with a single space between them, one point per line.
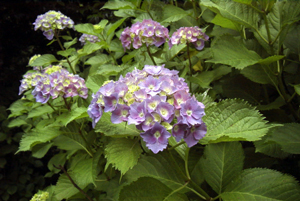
pixel 86 37
pixel 154 99
pixel 51 21
pixel 192 35
pixel 156 138
pixel 147 32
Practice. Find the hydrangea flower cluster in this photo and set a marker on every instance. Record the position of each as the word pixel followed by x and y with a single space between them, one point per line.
pixel 53 81
pixel 156 100
pixel 41 196
pixel 149 32
pixel 192 35
pixel 51 21
pixel 86 37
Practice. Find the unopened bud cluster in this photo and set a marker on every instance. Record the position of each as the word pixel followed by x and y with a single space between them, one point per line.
pixel 154 99
pixel 41 196
pixel 91 38
pixel 51 21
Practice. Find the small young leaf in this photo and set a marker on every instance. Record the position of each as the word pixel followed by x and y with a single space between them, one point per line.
pixel 40 150
pixel 70 43
pixel 262 184
pixel 115 26
pixel 221 163
pixel 67 52
pixel 123 153
pixel 85 28
pixel 116 5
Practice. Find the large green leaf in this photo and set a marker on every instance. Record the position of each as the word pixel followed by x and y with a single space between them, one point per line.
pixel 123 153
pixel 205 78
pixel 160 167
pixel 231 51
pixel 85 28
pixel 94 82
pixel 76 113
pixel 116 130
pixel 82 170
pixel 269 148
pixel 39 111
pixel 44 60
pixel 149 189
pixel 115 5
pixel 64 189
pixel 287 136
pixel 262 184
pixel 115 26
pixel 260 74
pixel 40 150
pixel 173 13
pixel 225 23
pixel 234 120
pixel 221 163
pixel 240 13
pixel 37 136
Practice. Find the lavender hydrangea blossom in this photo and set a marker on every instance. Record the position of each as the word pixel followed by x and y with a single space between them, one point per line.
pixel 147 32
pixel 192 35
pixel 51 21
pixel 53 81
pixel 86 37
pixel 155 100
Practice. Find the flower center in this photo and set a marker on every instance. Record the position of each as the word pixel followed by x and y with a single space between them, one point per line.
pixel 157 134
pixel 189 112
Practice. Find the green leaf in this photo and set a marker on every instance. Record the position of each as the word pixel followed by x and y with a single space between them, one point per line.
pixel 66 53
pixel 85 28
pixel 37 136
pixel 39 111
pixel 70 43
pixel 292 40
pixel 221 163
pixel 260 74
pixel 123 153
pixel 247 2
pixel 262 184
pixel 231 51
pixel 204 79
pixel 240 13
pixel 173 52
pixel 181 150
pixel 18 108
pixel 90 48
pixel 116 5
pixel 173 13
pixel 297 89
pixel 225 23
pixel 76 113
pixel 270 59
pixel 19 121
pixel 44 60
pixel 287 136
pixel 233 120
pixel 115 26
pixel 96 61
pixel 56 160
pixel 115 130
pixel 40 150
pixel 149 189
pixel 269 148
pixel 64 189
pixel 82 170
pixel 160 167
pixel 94 82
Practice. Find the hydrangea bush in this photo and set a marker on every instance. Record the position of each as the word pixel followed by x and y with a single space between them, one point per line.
pixel 165 120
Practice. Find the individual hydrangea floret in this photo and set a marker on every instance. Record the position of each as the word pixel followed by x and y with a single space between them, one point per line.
pixel 53 81
pixel 148 32
pixel 192 35
pixel 91 38
pixel 51 21
pixel 156 101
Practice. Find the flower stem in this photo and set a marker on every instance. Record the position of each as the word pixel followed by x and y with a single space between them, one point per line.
pixel 62 47
pixel 67 105
pixel 51 106
pixel 177 145
pixel 186 165
pixel 148 50
pixel 190 62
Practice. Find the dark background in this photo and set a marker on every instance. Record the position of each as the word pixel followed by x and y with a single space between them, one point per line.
pixel 19 41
